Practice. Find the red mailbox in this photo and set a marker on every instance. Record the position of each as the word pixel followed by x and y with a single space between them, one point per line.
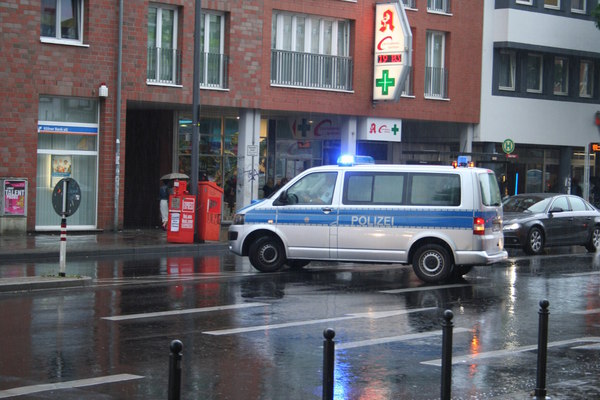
pixel 210 198
pixel 182 207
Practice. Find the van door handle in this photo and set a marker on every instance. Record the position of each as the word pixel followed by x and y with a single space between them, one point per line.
pixel 326 210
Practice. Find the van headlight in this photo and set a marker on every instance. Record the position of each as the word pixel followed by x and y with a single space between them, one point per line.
pixel 238 219
pixel 512 227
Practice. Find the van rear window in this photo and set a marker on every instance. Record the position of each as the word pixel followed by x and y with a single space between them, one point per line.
pixel 490 192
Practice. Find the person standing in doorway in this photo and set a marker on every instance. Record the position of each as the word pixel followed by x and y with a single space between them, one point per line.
pixel 163 196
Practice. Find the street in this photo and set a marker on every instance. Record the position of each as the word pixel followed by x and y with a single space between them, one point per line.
pixel 249 335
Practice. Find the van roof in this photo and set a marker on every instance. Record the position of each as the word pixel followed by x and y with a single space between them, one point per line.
pixel 398 167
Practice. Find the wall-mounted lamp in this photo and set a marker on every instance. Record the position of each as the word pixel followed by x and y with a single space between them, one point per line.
pixel 597 118
pixel 103 90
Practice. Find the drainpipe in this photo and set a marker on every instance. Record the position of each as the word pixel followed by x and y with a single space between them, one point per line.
pixel 118 119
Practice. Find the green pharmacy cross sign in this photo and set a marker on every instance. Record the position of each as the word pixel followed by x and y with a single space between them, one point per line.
pixel 385 82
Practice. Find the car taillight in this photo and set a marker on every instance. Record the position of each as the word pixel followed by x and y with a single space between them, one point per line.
pixel 478 226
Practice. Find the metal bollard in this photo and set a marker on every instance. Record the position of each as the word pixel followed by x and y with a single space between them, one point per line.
pixel 542 355
pixel 328 363
pixel 447 326
pixel 175 370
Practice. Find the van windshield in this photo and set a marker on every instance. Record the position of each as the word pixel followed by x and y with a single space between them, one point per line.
pixel 490 192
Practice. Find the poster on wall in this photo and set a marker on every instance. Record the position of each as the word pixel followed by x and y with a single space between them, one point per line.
pixel 61 168
pixel 14 197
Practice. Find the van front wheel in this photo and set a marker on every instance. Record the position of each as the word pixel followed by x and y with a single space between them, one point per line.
pixel 266 254
pixel 432 263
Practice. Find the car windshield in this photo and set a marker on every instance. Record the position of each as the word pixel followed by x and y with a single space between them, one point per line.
pixel 531 204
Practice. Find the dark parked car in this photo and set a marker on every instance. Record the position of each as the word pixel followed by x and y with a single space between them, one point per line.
pixel 533 221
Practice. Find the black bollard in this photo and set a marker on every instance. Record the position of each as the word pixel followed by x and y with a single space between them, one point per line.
pixel 447 354
pixel 542 355
pixel 328 363
pixel 175 370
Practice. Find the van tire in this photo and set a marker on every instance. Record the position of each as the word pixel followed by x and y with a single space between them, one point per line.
pixel 432 263
pixel 266 254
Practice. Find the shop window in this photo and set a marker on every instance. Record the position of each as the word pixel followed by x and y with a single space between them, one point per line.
pixel 62 20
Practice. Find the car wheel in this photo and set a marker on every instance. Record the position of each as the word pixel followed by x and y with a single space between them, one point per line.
pixel 594 242
pixel 432 263
pixel 297 264
pixel 460 270
pixel 266 254
pixel 535 241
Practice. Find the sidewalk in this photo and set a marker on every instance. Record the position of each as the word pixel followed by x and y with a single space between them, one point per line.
pixel 35 247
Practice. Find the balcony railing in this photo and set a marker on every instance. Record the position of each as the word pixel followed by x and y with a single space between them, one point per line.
pixel 213 70
pixel 436 82
pixel 441 6
pixel 163 66
pixel 309 70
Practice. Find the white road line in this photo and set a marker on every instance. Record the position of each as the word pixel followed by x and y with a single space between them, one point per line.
pixel 585 312
pixel 419 289
pixel 583 273
pixel 381 314
pixel 184 311
pixel 501 353
pixel 390 339
pixel 24 390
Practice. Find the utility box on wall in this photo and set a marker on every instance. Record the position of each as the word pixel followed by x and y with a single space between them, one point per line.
pixel 13 207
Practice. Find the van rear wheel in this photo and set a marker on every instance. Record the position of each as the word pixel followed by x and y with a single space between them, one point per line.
pixel 432 263
pixel 266 254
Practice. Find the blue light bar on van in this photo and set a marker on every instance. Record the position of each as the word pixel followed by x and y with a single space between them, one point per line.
pixel 349 159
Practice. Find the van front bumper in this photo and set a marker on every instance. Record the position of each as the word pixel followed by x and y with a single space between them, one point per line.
pixel 234 236
pixel 479 257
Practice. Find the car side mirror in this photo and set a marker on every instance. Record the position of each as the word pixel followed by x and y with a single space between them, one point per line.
pixel 556 210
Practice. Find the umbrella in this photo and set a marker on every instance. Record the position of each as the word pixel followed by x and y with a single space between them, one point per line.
pixel 174 175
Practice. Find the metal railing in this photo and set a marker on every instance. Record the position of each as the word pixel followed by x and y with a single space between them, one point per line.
pixel 442 6
pixel 309 70
pixel 213 70
pixel 163 66
pixel 436 82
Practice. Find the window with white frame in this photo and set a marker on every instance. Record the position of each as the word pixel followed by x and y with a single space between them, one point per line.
pixel 506 70
pixel 440 6
pixel 163 61
pixel 561 76
pixel 586 78
pixel 534 73
pixel 578 6
pixel 213 63
pixel 555 4
pixel 62 20
pixel 310 51
pixel 435 72
pixel 525 2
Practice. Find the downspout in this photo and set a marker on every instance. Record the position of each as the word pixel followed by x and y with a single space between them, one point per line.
pixel 118 119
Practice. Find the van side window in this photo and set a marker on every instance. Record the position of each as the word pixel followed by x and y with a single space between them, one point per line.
pixel 434 189
pixel 374 188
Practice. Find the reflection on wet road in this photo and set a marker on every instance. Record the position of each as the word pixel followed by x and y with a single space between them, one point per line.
pixel 248 335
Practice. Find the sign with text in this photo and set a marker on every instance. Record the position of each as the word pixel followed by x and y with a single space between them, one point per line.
pixel 381 129
pixel 15 196
pixel 393 48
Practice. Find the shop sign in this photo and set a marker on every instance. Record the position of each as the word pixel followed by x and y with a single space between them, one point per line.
pixel 14 201
pixel 594 147
pixel 393 48
pixel 326 128
pixel 64 129
pixel 381 129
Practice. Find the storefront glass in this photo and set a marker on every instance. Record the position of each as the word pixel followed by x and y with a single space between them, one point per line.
pixel 67 148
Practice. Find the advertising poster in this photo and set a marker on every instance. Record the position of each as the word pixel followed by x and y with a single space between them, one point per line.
pixel 14 197
pixel 61 168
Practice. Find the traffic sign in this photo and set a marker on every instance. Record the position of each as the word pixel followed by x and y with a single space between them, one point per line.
pixel 508 146
pixel 69 188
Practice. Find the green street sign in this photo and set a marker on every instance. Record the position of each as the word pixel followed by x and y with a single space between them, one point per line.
pixel 508 146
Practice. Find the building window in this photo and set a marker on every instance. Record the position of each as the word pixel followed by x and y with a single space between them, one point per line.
pixel 561 76
pixel 67 148
pixel 578 6
pixel 213 62
pixel 62 20
pixel 554 4
pixel 525 2
pixel 586 79
pixel 410 3
pixel 506 76
pixel 310 51
pixel 436 75
pixel 534 73
pixel 164 60
pixel 439 6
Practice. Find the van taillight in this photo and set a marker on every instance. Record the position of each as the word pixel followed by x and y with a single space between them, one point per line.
pixel 478 226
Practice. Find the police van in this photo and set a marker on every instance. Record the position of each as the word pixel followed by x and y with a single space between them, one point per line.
pixel 441 219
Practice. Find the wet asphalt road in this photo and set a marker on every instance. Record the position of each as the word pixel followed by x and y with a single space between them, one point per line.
pixel 248 335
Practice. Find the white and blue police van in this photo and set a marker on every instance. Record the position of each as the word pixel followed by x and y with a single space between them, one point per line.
pixel 441 219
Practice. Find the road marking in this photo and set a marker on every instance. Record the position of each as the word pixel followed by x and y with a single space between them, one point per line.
pixel 421 288
pixel 25 390
pixel 390 339
pixel 184 311
pixel 583 273
pixel 382 314
pixel 584 312
pixel 501 353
